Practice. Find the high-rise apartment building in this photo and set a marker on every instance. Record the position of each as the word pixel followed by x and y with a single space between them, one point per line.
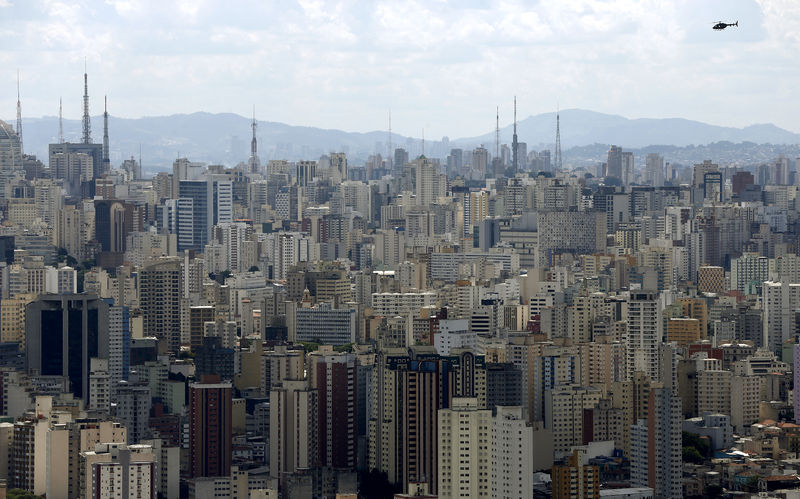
pixel 160 291
pixel 656 446
pixel 210 428
pixel 334 377
pixel 512 455
pixel 465 437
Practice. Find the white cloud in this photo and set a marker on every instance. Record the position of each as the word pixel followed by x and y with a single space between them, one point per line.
pixel 343 64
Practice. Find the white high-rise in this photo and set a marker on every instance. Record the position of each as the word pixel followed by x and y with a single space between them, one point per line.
pixel 512 455
pixel 779 301
pixel 464 449
pixel 644 333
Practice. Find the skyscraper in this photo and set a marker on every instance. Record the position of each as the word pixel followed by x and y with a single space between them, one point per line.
pixel 210 428
pixel 160 301
pixel 656 446
pixel 334 377
pixel 614 162
pixel 63 333
pixel 464 433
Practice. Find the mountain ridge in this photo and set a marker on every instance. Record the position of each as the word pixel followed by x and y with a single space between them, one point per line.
pixel 225 137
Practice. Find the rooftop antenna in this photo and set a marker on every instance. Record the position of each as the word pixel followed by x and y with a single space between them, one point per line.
pixel 19 117
pixel 140 163
pixel 557 163
pixel 254 145
pixel 514 142
pixel 423 141
pixel 60 124
pixel 87 124
pixel 497 134
pixel 106 159
pixel 391 155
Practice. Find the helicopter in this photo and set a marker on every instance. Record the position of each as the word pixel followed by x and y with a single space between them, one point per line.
pixel 720 25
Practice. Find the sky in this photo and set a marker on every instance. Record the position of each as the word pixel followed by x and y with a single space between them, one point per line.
pixel 441 66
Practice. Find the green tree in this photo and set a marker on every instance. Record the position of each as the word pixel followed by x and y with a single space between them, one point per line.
pixel 254 268
pixel 691 455
pixel 21 494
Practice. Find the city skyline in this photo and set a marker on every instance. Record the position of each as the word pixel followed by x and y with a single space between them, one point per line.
pixel 428 64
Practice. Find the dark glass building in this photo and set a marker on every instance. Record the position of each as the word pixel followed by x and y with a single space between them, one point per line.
pixel 62 334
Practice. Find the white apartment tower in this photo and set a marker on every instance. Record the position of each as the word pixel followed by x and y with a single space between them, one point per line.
pixel 464 449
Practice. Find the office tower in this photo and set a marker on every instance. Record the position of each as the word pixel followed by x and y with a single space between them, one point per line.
pixel 614 163
pixel 323 324
pixel 644 333
pixel 118 470
pixel 211 204
pixel 213 358
pixel 400 160
pixel 740 181
pixel 305 171
pixel 133 409
pixel 334 377
pixel 656 446
pixel 503 385
pixel 62 334
pixel 293 430
pixel 574 479
pixel 464 432
pixel 160 301
pixel 10 148
pixel 573 232
pixel 654 169
pixel 210 427
pixel 198 316
pixel 512 455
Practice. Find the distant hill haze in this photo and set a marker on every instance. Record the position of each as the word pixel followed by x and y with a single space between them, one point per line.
pixel 225 138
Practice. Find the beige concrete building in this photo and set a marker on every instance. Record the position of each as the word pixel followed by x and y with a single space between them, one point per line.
pixel 564 408
pixel 464 449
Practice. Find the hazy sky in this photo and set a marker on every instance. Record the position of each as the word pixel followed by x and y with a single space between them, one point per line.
pixel 436 64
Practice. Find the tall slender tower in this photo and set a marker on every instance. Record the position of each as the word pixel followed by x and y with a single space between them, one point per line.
pixel 255 163
pixel 106 159
pixel 87 124
pixel 390 156
pixel 557 160
pixel 514 142
pixel 60 124
pixel 497 134
pixel 19 117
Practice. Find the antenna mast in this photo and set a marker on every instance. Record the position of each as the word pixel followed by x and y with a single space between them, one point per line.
pixel 391 152
pixel 106 159
pixel 497 134
pixel 423 141
pixel 19 118
pixel 557 163
pixel 514 142
pixel 60 124
pixel 87 125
